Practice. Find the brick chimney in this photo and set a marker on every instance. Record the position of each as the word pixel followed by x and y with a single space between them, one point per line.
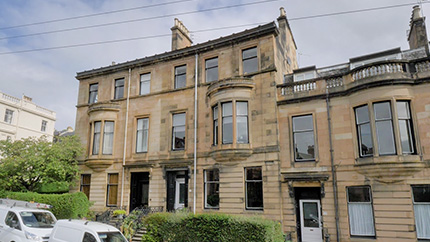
pixel 180 36
pixel 417 34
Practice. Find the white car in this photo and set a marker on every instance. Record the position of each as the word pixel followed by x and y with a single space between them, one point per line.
pixel 21 224
pixel 85 231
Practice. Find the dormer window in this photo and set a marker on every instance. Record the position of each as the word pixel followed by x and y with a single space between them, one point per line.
pixel 304 76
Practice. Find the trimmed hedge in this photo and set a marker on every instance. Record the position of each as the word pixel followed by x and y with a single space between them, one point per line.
pixel 65 206
pixel 182 227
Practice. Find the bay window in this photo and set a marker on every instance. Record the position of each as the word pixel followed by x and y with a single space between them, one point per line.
pixel 234 122
pixel 103 139
pixel 379 129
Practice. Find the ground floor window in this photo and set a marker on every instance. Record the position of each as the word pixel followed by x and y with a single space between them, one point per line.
pixel 85 184
pixel 421 196
pixel 212 188
pixel 254 188
pixel 112 189
pixel 360 211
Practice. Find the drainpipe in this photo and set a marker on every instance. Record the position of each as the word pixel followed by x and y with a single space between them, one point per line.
pixel 333 169
pixel 195 135
pixel 125 138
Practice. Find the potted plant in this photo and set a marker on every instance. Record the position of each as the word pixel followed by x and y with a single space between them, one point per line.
pixel 119 213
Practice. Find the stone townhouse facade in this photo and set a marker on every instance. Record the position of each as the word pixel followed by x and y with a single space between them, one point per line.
pixel 338 153
pixel 22 118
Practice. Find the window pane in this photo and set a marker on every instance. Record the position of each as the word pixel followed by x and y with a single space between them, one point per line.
pixel 242 130
pixel 242 108
pixel 142 135
pixel 311 215
pixel 212 63
pixel 215 125
pixel 145 80
pixel 96 138
pixel 406 136
pixel 384 133
pixel 212 175
pixel 249 53
pixel 108 138
pixel 182 193
pixel 422 220
pixel 119 88
pixel 403 110
pixel 365 139
pixel 405 127
pixel 212 195
pixel 359 194
pixel 304 146
pixel 179 119
pixel 178 131
pixel 362 114
pixel 180 70
pixel 361 219
pixel 227 130
pixel 93 93
pixel 250 65
pixel 250 60
pixel 254 174
pixel 212 70
pixel 227 109
pixel 303 123
pixel 382 111
pixel 180 76
pixel 421 193
pixel 254 191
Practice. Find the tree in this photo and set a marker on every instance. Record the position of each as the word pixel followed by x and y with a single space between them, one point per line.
pixel 28 163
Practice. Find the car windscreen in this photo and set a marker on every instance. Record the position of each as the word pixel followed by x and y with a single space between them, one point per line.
pixel 111 237
pixel 37 219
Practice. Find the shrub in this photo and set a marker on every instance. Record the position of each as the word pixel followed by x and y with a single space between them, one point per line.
pixel 64 206
pixel 210 227
pixel 119 212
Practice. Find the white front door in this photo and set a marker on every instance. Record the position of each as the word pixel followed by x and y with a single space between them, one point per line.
pixel 310 220
pixel 180 193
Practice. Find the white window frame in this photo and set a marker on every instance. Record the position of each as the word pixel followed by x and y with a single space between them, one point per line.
pixel 8 116
pixel 142 132
pixel 253 181
pixel 206 183
pixel 368 229
pixel 145 80
pixel 422 215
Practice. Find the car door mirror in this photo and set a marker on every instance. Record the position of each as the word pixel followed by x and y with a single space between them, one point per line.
pixel 15 225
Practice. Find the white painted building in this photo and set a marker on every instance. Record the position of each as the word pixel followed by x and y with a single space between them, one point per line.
pixel 22 118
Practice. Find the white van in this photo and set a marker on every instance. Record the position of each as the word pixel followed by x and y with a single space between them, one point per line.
pixel 24 224
pixel 85 231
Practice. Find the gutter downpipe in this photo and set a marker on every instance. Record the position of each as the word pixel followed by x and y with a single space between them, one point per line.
pixel 195 134
pixel 125 138
pixel 333 169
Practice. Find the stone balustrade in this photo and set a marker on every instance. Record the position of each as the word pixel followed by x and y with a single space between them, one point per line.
pixel 377 69
pixel 370 74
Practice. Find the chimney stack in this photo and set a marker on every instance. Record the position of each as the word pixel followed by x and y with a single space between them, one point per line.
pixel 180 36
pixel 418 33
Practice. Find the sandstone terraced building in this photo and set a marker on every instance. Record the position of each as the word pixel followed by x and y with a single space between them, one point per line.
pixel 233 125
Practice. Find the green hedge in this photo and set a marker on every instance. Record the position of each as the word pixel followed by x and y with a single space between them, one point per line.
pixel 54 187
pixel 65 206
pixel 210 227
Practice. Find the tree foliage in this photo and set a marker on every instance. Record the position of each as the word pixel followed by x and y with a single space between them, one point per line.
pixel 28 163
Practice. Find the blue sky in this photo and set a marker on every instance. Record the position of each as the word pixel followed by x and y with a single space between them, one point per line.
pixel 49 76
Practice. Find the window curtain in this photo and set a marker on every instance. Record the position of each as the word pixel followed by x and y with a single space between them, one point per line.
pixel 361 219
pixel 422 220
pixel 108 138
